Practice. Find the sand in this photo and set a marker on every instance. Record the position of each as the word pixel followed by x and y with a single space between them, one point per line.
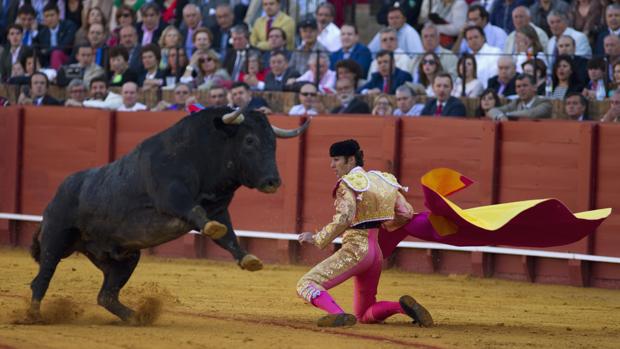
pixel 207 304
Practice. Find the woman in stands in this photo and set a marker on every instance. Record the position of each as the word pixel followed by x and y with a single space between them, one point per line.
pixel 202 40
pixel 350 69
pixel 527 46
pixel 254 74
pixel 466 68
pixel 538 69
pixel 119 67
pixel 429 67
pixel 177 62
pixel 94 15
pixel 615 83
pixel 207 73
pixel 125 16
pixel 565 78
pixel 488 100
pixel 382 105
pixel 170 39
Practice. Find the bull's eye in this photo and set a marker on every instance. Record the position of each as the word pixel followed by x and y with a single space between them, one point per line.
pixel 250 141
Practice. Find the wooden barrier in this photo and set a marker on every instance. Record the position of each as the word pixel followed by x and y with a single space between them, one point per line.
pixel 575 162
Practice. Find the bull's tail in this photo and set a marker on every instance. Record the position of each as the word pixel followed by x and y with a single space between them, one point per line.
pixel 35 248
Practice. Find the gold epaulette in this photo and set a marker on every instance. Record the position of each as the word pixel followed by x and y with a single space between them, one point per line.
pixel 357 181
pixel 390 179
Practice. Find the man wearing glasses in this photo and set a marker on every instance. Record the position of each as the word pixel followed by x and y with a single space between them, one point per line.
pixel 308 101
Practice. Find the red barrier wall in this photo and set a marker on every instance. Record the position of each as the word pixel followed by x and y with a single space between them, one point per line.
pixel 575 162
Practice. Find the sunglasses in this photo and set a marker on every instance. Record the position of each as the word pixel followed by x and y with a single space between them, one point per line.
pixel 429 61
pixel 308 94
pixel 124 15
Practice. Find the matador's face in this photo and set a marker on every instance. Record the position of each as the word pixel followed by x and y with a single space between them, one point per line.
pixel 342 165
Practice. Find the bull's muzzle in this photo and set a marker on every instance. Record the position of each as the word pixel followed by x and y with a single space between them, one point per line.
pixel 270 185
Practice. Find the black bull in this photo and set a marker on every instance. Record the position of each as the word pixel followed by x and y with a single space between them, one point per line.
pixel 181 179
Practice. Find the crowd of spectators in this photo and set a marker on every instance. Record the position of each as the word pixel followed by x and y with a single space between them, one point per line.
pixel 520 53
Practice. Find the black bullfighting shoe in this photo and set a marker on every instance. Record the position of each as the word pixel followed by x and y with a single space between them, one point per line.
pixel 337 320
pixel 416 311
pixel 215 230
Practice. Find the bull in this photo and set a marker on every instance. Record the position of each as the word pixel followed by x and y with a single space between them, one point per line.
pixel 181 179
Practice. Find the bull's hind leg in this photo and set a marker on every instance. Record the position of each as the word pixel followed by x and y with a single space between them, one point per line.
pixel 116 273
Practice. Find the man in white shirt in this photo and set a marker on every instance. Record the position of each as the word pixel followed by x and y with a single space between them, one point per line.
pixel 521 17
pixel 389 42
pixel 408 38
pixel 129 91
pixel 486 55
pixel 558 23
pixel 100 97
pixel 329 33
pixel 308 100
pixel 406 102
pixel 477 15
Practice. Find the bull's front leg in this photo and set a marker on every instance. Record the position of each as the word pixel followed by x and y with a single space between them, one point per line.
pixel 178 202
pixel 230 243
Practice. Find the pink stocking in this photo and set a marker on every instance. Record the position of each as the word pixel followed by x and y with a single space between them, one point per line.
pixel 326 302
pixel 381 311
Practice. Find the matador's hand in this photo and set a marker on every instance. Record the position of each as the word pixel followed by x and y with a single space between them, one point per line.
pixel 305 238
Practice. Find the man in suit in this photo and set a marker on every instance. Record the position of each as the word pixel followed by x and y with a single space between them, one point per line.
pixel 273 18
pixel 55 38
pixel 444 104
pixel 10 53
pixel 528 105
pixel 26 16
pixel 151 27
pixel 279 73
pixel 559 25
pixel 576 106
pixel 39 85
pixel 129 40
pixel 8 13
pixel 388 78
pixel 225 19
pixel 192 21
pixel 277 42
pixel 504 81
pixel 612 21
pixel 351 49
pixel 349 104
pixel 241 96
pixel 235 59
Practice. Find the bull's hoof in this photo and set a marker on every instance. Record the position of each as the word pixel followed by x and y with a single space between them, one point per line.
pixel 251 263
pixel 215 230
pixel 31 318
pixel 337 320
pixel 416 311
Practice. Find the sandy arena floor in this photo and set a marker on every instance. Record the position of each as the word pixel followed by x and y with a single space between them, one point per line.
pixel 216 305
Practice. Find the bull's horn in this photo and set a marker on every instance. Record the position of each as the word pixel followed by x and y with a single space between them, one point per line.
pixel 283 133
pixel 236 117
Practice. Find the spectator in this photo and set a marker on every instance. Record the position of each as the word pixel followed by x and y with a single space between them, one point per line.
pixel 382 105
pixel 225 19
pixel 28 65
pixel 565 78
pixel 309 44
pixel 100 97
pixel 443 104
pixel 241 97
pixel 94 15
pixel 273 18
pixel 586 15
pixel 449 17
pixel 351 49
pixel 486 55
pixel 412 9
pixel 329 33
pixel 202 43
pixel 192 21
pixel 9 54
pixel 467 72
pixel 26 18
pixel 254 73
pixel 527 45
pixel 521 18
pixel 559 25
pixel 615 81
pixel 151 27
pixel 55 38
pixel 207 9
pixel 430 67
pixel 8 13
pixel 97 38
pixel 125 17
pixel 536 67
pixel 129 40
pixel 406 102
pixel 307 101
pixel 349 104
pixel 234 62
pixel 280 73
pixel 349 69
pixel 216 97
pixel 170 39
pixel 129 92
pixel 541 9
pixel 528 105
pixel 277 42
pixel 208 73
pixel 183 98
pixel 566 46
pixel 488 100
pixel 611 50
pixel 327 77
pixel 504 82
pixel 85 68
pixel 106 7
pixel 387 78
pixel 408 38
pixel 39 85
pixel 389 42
pixel 596 88
pixel 119 72
pixel 613 113
pixel 430 42
pixel 500 13
pixel 477 15
pixel 152 77
pixel 177 64
pixel 77 93
pixel 576 107
pixel 612 21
